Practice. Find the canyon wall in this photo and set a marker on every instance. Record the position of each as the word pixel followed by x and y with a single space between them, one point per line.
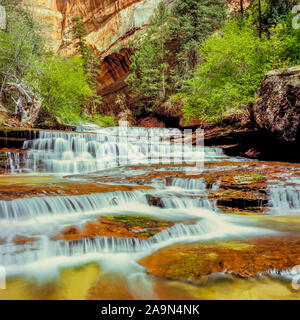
pixel 109 23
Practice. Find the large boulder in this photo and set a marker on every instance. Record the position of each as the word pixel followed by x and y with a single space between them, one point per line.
pixel 277 110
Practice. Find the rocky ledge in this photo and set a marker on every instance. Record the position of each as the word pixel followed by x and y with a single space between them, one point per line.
pixel 242 258
pixel 271 131
pixel 277 110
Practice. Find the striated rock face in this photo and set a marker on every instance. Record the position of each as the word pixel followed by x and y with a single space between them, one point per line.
pixel 51 16
pixel 277 110
pixel 107 21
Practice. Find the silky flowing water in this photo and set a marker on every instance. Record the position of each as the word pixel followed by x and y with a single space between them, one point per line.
pixel 107 267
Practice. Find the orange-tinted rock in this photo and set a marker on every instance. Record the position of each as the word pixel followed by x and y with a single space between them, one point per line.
pixel 114 67
pixel 13 187
pixel 21 240
pixel 242 258
pixel 108 22
pixel 151 122
pixel 112 88
pixel 123 226
pixel 235 4
pixel 253 153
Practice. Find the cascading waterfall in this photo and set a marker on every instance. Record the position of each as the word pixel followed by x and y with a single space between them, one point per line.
pixel 189 184
pixel 32 216
pixel 32 208
pixel 92 149
pixel 13 162
pixel 193 184
pixel 105 244
pixel 82 152
pixel 42 251
pixel 284 199
pixel 187 202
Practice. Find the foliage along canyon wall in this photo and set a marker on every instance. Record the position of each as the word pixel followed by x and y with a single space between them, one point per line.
pixel 108 22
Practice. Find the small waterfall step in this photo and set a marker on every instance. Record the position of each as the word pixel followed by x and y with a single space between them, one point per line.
pixel 76 152
pixel 284 199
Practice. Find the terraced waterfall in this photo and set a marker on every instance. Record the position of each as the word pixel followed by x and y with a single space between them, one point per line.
pixel 126 213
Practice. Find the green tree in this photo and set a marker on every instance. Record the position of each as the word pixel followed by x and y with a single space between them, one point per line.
pixel 193 22
pixel 149 78
pixel 34 80
pixel 268 13
pixel 155 71
pixel 20 45
pixel 275 12
pixel 228 77
pixel 62 84
pixel 90 60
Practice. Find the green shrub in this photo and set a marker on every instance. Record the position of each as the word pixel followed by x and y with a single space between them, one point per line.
pixel 66 86
pixel 98 119
pixel 63 86
pixel 189 23
pixel 233 65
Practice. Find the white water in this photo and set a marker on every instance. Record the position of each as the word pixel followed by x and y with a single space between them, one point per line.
pixel 84 152
pixel 191 184
pixel 284 200
pixel 32 208
pixel 95 249
pixel 13 162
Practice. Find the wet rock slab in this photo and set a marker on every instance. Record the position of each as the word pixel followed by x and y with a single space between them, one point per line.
pixel 28 186
pixel 238 187
pixel 242 258
pixel 123 226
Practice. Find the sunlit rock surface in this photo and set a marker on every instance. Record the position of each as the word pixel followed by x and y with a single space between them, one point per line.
pixel 107 21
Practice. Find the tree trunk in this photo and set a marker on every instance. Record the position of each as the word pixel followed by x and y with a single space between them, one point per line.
pixel 260 23
pixel 242 9
pixel 26 111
